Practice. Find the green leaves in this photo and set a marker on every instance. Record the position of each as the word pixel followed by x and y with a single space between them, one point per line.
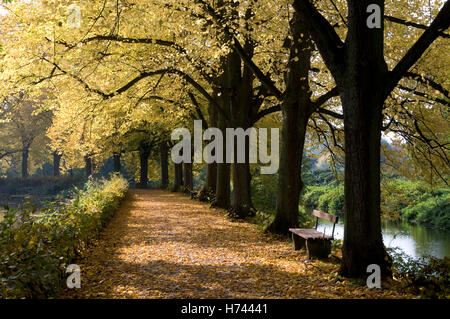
pixel 36 247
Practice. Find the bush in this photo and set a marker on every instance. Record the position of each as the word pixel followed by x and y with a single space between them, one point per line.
pixel 38 245
pixel 415 202
pixel 328 198
pixel 433 211
pixel 428 277
pixel 264 190
pixel 312 194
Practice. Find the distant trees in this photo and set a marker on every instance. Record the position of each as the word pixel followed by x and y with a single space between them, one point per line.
pixel 23 127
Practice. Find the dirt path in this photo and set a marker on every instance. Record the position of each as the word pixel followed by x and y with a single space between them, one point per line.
pixel 164 245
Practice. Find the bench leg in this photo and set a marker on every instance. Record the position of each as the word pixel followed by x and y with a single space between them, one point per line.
pixel 318 248
pixel 299 242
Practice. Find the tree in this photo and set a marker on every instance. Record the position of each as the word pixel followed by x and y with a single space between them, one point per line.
pixel 364 82
pixel 164 162
pixel 25 121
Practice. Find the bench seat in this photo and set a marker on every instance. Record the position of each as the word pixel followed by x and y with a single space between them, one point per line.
pixel 316 243
pixel 309 233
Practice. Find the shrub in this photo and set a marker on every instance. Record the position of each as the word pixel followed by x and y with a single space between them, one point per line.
pixel 416 202
pixel 428 277
pixel 312 194
pixel 433 211
pixel 264 192
pixel 328 198
pixel 37 245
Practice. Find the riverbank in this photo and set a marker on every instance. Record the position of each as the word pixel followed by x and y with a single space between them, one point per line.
pixel 414 240
pixel 413 202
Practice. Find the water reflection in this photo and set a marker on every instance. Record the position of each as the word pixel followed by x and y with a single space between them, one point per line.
pixel 414 240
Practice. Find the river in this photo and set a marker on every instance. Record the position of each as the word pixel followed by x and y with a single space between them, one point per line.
pixel 415 240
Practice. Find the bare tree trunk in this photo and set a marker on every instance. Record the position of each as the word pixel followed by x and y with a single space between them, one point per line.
pixel 360 72
pixel 211 177
pixel 296 110
pixel 290 184
pixel 211 170
pixel 222 196
pixel 25 154
pixel 362 95
pixel 143 157
pixel 56 163
pixel 178 182
pixel 88 165
pixel 116 157
pixel 242 206
pixel 241 84
pixel 164 160
pixel 188 178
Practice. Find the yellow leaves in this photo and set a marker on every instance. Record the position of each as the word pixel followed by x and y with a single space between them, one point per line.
pixel 164 245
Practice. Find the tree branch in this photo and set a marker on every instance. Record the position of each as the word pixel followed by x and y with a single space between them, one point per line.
pixel 428 81
pixel 240 50
pixel 440 23
pixel 198 109
pixel 413 24
pixel 323 34
pixel 325 97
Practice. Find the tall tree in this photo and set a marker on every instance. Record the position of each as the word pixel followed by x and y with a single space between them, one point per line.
pixel 164 162
pixel 296 109
pixel 364 81
pixel 56 163
pixel 116 159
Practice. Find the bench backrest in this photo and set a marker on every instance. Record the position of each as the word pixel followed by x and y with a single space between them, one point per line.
pixel 326 216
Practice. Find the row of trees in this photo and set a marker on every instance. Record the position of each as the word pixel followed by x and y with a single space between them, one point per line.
pixel 132 71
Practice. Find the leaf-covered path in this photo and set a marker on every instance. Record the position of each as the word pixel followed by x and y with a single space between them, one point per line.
pixel 165 245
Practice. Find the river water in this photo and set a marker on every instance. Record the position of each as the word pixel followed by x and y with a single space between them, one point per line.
pixel 415 240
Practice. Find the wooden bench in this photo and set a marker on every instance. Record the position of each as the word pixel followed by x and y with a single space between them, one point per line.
pixel 318 245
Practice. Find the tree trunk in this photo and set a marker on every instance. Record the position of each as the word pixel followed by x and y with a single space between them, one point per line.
pixel 363 242
pixel 25 154
pixel 143 157
pixel 188 178
pixel 116 157
pixel 178 182
pixel 56 163
pixel 361 74
pixel 88 165
pixel 242 206
pixel 290 183
pixel 362 94
pixel 296 110
pixel 222 196
pixel 211 170
pixel 164 165
pixel 240 81
pixel 211 177
pixel 222 199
